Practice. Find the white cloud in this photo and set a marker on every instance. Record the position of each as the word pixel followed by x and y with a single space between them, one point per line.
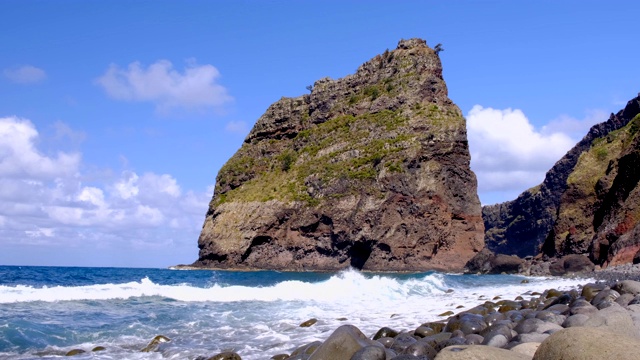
pixel 26 74
pixel 44 202
pixel 509 155
pixel 20 158
pixel 161 84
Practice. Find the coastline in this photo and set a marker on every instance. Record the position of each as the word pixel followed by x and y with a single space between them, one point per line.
pixel 549 325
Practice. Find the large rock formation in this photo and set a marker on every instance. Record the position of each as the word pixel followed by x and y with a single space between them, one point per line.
pixel 370 171
pixel 589 202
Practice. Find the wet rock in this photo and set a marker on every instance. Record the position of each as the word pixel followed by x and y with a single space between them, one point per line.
pixel 581 306
pixel 386 341
pixel 304 351
pixel 385 332
pixel 589 291
pixel 605 295
pixel 153 345
pixel 452 341
pixel 474 339
pixel 421 350
pixel 478 352
pixel 467 323
pixel 551 317
pixel 370 353
pixel 530 337
pixel 227 355
pixel 436 339
pixel 423 331
pixel 309 323
pixel 75 352
pixel 402 341
pixel 436 326
pixel 342 344
pixel 280 357
pixel 583 343
pixel 98 348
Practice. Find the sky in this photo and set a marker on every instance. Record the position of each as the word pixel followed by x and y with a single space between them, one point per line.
pixel 115 116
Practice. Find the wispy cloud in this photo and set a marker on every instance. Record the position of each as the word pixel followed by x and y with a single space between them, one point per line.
pixel 509 155
pixel 159 83
pixel 25 74
pixel 237 127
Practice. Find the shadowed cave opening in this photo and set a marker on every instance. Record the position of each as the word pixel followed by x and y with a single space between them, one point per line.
pixel 257 241
pixel 359 254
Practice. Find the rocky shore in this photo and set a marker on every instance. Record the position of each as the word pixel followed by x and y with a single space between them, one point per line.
pixel 598 320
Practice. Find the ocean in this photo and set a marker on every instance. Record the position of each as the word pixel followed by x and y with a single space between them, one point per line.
pixel 47 311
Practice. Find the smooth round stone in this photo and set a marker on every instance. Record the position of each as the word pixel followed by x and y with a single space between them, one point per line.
pixel 624 299
pixel 585 343
pixel 309 323
pixel 605 295
pixel 345 341
pixel 531 337
pixel 474 339
pixel 575 320
pixel 434 340
pixel 370 353
pixel 635 301
pixel 582 307
pixel 479 352
pixel 605 304
pixel 385 332
pixel 562 309
pixel 279 357
pixel 402 341
pixel 497 340
pixel 406 357
pixel 227 355
pixel 589 291
pixel 497 329
pixel 467 323
pixel 436 326
pixel 307 349
pixel 551 317
pixel 514 316
pixel 75 352
pixel 552 293
pixel 528 349
pixel 423 331
pixel 386 341
pixel 421 349
pixel 492 318
pixel 450 342
pixel 627 287
pixel 528 326
pixel 153 345
pixel 98 348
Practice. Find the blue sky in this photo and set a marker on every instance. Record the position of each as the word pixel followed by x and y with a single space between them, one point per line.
pixel 116 116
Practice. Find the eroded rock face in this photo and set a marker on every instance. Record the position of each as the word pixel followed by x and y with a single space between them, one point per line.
pixel 589 202
pixel 369 171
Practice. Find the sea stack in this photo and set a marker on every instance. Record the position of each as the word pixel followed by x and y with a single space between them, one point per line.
pixel 370 171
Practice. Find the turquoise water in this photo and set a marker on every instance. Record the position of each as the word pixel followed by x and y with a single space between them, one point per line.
pixel 47 311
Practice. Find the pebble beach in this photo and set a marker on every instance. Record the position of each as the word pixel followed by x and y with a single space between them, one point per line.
pixel 596 320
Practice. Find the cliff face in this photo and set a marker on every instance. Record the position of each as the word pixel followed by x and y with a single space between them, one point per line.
pixel 370 171
pixel 587 204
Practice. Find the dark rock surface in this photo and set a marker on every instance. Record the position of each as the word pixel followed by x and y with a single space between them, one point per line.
pixel 587 203
pixel 369 171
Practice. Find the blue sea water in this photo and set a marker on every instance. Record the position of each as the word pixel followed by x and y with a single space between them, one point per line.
pixel 47 311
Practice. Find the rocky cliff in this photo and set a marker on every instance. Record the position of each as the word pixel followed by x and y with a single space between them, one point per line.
pixel 587 204
pixel 370 171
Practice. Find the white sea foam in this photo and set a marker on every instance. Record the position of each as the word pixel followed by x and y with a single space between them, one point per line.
pixel 347 287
